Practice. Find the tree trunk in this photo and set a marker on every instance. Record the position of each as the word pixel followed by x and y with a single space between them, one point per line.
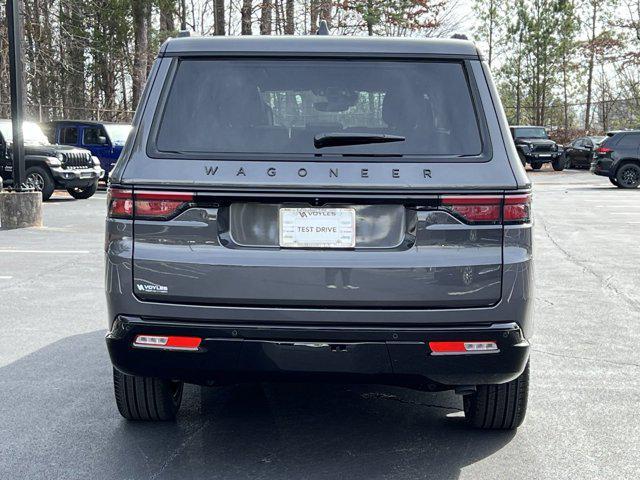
pixel 245 14
pixel 167 18
pixel 141 43
pixel 325 11
pixel 314 13
pixel 592 50
pixel 289 26
pixel 265 17
pixel 218 17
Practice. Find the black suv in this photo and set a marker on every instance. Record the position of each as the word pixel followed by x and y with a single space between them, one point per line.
pixel 579 153
pixel 536 148
pixel 618 157
pixel 50 167
pixel 320 208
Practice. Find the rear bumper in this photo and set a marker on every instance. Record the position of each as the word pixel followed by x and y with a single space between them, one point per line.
pixel 394 356
pixel 602 167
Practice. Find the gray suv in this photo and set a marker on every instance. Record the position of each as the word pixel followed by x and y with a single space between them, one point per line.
pixel 320 209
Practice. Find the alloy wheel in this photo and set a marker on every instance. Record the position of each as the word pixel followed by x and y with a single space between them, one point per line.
pixel 35 181
pixel 630 177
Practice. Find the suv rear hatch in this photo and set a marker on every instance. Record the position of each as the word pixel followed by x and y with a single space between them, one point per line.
pixel 301 197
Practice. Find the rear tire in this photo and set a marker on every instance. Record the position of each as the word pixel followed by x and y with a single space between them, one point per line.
pixel 40 179
pixel 498 407
pixel 536 165
pixel 559 163
pixel 628 176
pixel 146 398
pixel 84 192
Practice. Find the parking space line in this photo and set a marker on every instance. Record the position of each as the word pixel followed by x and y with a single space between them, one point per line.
pixel 45 251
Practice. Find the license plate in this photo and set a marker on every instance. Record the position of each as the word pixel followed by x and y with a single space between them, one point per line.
pixel 544 155
pixel 86 174
pixel 317 227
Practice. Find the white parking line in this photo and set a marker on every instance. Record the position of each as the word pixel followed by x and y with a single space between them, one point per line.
pixel 45 251
pixel 5 277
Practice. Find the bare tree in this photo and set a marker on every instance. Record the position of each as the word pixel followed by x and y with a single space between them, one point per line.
pixel 245 13
pixel 266 15
pixel 139 10
pixel 218 15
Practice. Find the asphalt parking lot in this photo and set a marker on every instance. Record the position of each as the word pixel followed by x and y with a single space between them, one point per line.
pixel 58 418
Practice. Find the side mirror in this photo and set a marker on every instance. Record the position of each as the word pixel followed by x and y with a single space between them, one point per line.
pixel 102 140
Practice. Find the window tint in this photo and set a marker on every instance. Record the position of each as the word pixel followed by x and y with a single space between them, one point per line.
pixel 92 135
pixel 275 106
pixel 531 132
pixel 629 140
pixel 69 135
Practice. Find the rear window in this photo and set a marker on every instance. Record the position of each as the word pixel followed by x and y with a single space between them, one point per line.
pixel 629 140
pixel 268 106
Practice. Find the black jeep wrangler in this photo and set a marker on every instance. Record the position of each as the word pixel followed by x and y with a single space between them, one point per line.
pixel 50 167
pixel 535 147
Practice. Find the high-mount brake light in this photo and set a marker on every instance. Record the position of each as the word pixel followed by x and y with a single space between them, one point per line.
pixel 167 342
pixel 474 208
pixel 463 347
pixel 146 204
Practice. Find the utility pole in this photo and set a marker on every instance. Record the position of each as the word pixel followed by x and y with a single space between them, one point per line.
pixel 22 207
pixel 16 77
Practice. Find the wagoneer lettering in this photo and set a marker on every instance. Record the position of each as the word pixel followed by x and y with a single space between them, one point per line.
pixel 317 196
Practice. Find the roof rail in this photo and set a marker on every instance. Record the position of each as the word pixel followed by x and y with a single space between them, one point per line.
pixel 459 36
pixel 323 28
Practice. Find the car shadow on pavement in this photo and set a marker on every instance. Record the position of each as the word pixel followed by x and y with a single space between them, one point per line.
pixel 59 420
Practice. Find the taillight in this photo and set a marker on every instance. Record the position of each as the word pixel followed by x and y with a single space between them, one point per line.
pixel 604 150
pixel 474 208
pixel 152 205
pixel 517 208
pixel 489 209
pixel 167 342
pixel 160 205
pixel 453 348
pixel 119 203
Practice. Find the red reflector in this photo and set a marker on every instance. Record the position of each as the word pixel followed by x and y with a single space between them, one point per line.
pixel 463 347
pixel 119 203
pixel 442 347
pixel 184 342
pixel 167 342
pixel 474 208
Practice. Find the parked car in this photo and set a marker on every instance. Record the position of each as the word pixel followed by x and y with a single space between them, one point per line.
pixel 618 158
pixel 579 153
pixel 536 148
pixel 104 140
pixel 49 167
pixel 312 213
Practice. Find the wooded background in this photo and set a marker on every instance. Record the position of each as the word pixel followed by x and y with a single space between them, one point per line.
pixel 572 65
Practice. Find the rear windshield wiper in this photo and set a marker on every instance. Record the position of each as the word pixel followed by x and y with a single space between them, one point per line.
pixel 337 139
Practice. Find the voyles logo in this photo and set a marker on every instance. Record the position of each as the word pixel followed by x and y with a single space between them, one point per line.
pixel 151 288
pixel 330 172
